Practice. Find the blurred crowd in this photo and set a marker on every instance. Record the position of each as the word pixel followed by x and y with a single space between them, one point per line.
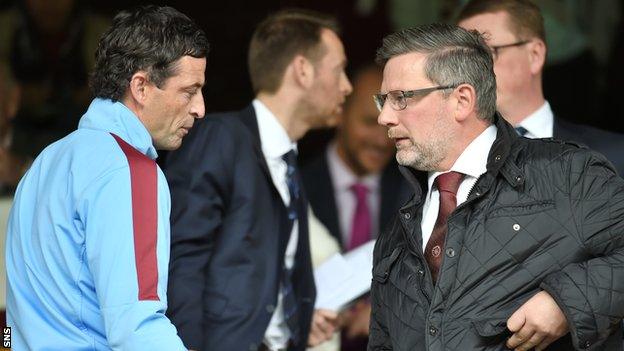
pixel 46 54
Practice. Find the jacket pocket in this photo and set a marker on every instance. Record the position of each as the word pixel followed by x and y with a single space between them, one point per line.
pixel 381 272
pixel 521 209
pixel 492 332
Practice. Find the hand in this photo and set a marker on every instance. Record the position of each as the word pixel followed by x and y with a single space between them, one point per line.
pixel 359 321
pixel 324 324
pixel 536 324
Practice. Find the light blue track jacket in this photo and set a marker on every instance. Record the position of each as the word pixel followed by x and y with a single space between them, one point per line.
pixel 87 248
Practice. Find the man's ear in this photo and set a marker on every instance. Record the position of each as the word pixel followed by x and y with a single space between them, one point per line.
pixel 465 99
pixel 537 55
pixel 303 71
pixel 139 86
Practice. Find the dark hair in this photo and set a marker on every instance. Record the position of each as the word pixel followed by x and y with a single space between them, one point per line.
pixel 454 56
pixel 525 18
pixel 279 38
pixel 149 38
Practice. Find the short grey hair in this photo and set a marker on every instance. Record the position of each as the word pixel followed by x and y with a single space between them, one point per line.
pixel 454 56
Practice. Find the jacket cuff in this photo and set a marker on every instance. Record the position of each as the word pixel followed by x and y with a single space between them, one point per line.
pixel 582 324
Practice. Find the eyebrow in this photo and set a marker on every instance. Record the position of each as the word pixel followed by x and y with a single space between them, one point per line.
pixel 193 86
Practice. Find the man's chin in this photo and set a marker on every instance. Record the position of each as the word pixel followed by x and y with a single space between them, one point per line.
pixel 169 145
pixel 409 159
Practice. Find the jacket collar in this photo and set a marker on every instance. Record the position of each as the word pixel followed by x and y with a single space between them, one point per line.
pixel 116 118
pixel 501 160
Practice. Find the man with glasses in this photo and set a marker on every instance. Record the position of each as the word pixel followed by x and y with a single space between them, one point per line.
pixel 508 242
pixel 514 31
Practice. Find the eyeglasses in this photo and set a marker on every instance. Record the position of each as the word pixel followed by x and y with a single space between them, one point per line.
pixel 398 98
pixel 498 47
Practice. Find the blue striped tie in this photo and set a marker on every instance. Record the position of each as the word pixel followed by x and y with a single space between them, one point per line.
pixel 289 301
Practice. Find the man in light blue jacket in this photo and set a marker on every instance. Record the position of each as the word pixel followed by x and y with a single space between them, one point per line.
pixel 88 235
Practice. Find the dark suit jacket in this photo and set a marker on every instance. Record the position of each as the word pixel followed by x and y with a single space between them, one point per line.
pixel 318 185
pixel 229 235
pixel 610 144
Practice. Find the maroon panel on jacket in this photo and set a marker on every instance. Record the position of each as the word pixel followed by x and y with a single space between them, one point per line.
pixel 143 182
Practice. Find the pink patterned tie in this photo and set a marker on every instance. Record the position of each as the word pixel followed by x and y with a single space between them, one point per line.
pixel 361 225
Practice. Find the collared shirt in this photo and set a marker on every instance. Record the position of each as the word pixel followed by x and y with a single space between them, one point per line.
pixel 540 123
pixel 472 162
pixel 275 143
pixel 87 250
pixel 342 179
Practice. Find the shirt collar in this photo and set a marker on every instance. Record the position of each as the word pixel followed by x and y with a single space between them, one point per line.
pixel 539 124
pixel 116 118
pixel 273 137
pixel 342 176
pixel 473 160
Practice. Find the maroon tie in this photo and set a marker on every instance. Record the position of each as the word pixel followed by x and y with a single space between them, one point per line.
pixel 361 225
pixel 447 185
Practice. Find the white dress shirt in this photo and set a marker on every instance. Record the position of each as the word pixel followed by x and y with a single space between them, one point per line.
pixel 275 143
pixel 342 179
pixel 472 162
pixel 540 123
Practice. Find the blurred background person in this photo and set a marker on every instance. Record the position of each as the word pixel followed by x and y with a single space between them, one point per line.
pixel 356 170
pixel 49 48
pixel 241 274
pixel 514 30
pixel 354 185
pixel 580 36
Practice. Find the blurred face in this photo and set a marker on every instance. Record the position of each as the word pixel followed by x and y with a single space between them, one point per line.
pixel 512 65
pixel 362 143
pixel 327 94
pixel 423 131
pixel 170 110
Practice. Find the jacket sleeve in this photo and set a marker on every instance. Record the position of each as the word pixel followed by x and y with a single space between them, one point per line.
pixel 129 269
pixel 378 338
pixel 200 177
pixel 591 293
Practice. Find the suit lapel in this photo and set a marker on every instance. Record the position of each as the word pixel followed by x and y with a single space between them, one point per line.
pixel 248 118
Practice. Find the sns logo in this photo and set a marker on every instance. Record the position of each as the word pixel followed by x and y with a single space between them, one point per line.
pixel 6 337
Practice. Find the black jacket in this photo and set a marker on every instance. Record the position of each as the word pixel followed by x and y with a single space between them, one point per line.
pixel 228 238
pixel 547 215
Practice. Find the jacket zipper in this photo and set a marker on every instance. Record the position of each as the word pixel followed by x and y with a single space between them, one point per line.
pixel 468 199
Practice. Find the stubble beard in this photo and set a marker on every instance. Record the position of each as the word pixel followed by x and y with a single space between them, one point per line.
pixel 428 155
pixel 423 157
